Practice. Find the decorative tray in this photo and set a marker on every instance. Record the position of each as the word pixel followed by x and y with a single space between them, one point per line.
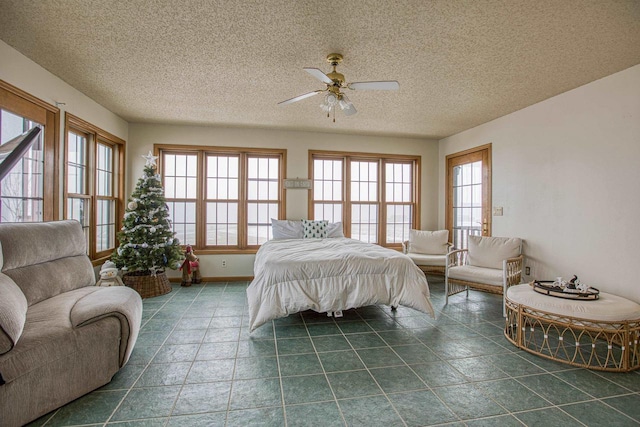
pixel 546 287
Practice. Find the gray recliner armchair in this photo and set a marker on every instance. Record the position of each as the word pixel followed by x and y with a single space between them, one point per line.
pixel 60 336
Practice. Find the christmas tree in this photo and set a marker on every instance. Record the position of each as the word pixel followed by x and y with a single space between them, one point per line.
pixel 147 244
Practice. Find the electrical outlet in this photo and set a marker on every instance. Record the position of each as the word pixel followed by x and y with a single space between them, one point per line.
pixel 224 263
pixel 527 271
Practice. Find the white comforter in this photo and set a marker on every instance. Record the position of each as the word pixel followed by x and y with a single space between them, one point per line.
pixel 328 275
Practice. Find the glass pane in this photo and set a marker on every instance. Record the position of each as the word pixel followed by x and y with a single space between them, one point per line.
pixel 180 176
pixel 170 187
pixel 263 190
pixel 364 222
pixel 181 187
pixel 76 163
pixel 181 165
pixel 105 225
pixel 327 184
pixel 222 224
pixel 467 202
pixel 273 190
pixel 222 173
pixel 399 220
pixel 253 167
pixel 252 190
pixel 105 170
pixel 476 173
pixel 233 188
pixel 21 191
pixel 182 216
pixel 274 168
pixel 169 165
pixel 331 212
pixel 233 167
pixel 191 187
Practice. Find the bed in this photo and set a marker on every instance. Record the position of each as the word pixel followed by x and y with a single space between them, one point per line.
pixel 330 275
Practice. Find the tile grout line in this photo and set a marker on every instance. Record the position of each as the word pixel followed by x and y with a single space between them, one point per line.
pixel 367 368
pixel 166 422
pixel 130 388
pixel 414 372
pixel 324 372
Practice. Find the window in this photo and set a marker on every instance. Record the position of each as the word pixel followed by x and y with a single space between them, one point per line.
pixel 27 192
pixel 375 196
pixel 468 196
pixel 222 198
pixel 93 189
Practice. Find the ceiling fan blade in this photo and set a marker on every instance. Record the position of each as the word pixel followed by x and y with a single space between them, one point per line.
pixel 300 97
pixel 318 75
pixel 386 85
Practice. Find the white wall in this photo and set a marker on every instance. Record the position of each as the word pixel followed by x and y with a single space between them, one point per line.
pixel 566 171
pixel 143 136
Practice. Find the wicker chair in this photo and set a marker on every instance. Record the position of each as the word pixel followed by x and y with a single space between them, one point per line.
pixel 428 250
pixel 490 264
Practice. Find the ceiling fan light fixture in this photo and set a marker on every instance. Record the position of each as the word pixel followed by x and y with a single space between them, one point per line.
pixel 344 102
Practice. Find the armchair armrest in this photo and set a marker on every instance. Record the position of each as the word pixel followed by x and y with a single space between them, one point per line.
pixel 119 301
pixel 457 257
pixel 512 270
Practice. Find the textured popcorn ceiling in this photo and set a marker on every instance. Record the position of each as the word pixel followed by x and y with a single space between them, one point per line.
pixel 459 63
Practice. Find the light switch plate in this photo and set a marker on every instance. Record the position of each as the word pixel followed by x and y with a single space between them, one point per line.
pixel 497 211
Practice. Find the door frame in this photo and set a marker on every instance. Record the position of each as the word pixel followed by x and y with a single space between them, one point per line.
pixel 482 152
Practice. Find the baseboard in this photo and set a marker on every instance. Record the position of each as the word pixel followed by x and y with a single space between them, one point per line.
pixel 217 279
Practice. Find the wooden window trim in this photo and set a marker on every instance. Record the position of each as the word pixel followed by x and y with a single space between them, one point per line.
pixel 26 105
pixel 96 136
pixel 243 153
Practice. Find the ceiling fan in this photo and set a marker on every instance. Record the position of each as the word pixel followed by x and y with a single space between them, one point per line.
pixel 334 97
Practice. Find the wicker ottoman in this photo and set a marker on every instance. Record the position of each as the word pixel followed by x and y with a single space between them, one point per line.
pixel 601 334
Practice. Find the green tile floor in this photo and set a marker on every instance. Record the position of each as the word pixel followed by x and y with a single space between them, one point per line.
pixel 195 364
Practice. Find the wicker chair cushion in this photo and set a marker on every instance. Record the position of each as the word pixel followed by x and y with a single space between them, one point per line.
pixel 428 260
pixel 608 308
pixel 471 273
pixel 491 251
pixel 429 242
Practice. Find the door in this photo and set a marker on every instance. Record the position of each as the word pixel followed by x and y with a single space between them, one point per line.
pixel 468 197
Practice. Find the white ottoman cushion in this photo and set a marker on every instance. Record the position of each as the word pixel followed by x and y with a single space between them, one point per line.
pixel 608 308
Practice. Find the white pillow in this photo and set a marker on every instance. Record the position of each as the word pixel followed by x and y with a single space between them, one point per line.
pixel 314 229
pixel 334 229
pixel 491 251
pixel 285 229
pixel 428 242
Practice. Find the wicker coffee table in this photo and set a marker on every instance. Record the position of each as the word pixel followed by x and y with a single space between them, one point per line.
pixel 601 335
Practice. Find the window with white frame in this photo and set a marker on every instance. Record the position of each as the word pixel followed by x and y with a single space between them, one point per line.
pixel 375 196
